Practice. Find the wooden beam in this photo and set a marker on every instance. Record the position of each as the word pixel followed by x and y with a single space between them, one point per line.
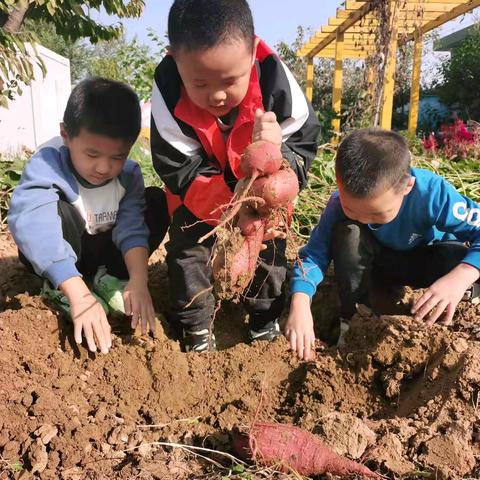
pixel 389 78
pixel 358 30
pixel 359 46
pixel 330 53
pixel 337 87
pixel 444 2
pixel 415 89
pixel 346 55
pixel 309 82
pixel 371 81
pixel 435 13
pixel 408 15
pixel 355 16
pixel 352 5
pixel 446 17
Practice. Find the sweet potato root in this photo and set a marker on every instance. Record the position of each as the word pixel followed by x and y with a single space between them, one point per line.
pixel 235 259
pixel 290 448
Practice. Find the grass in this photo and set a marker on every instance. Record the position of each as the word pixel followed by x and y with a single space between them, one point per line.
pixel 313 199
pixel 140 152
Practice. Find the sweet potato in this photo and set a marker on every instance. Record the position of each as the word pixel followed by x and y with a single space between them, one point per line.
pixel 262 203
pixel 261 158
pixel 235 260
pixel 277 190
pixel 290 448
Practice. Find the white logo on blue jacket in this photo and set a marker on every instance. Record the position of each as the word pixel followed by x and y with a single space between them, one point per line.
pixel 465 214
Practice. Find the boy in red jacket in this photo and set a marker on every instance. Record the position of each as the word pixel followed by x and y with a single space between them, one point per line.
pixel 219 89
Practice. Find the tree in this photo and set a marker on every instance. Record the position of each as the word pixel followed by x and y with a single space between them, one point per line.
pixel 461 74
pixel 128 61
pixel 71 20
pixel 76 51
pixel 354 85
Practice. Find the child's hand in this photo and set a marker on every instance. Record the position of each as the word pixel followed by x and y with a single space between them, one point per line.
pixel 266 128
pixel 444 295
pixel 87 315
pixel 299 328
pixel 138 305
pixel 274 230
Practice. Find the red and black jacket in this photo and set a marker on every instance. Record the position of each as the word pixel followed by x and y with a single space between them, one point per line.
pixel 199 168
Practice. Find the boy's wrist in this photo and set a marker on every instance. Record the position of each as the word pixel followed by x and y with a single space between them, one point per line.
pixel 75 289
pixel 300 299
pixel 468 273
pixel 139 278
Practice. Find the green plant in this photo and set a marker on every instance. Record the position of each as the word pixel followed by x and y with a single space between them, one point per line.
pixel 140 152
pixel 461 74
pixel 130 62
pixel 313 199
pixel 10 173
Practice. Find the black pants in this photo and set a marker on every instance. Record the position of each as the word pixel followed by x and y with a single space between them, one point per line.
pixel 93 251
pixel 359 257
pixel 190 273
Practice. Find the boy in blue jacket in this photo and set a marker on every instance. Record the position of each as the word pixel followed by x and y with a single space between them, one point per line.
pixel 391 222
pixel 81 210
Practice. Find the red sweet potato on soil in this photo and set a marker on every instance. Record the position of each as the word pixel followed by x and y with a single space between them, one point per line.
pixel 288 448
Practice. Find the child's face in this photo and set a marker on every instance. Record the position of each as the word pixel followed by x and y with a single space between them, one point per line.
pixel 217 79
pixel 381 207
pixel 96 158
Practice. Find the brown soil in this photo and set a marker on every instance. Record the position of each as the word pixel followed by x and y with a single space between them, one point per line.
pixel 401 398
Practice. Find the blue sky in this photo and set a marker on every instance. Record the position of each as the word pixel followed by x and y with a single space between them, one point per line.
pixel 275 20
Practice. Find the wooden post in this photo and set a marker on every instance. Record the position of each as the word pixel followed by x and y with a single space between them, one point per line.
pixel 309 85
pixel 371 80
pixel 389 79
pixel 415 89
pixel 337 86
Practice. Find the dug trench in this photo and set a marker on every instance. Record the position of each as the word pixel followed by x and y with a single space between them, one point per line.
pixel 400 398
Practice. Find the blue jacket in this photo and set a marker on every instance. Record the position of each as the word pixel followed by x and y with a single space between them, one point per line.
pixel 36 226
pixel 432 211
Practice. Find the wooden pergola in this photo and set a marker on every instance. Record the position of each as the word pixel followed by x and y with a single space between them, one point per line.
pixel 352 35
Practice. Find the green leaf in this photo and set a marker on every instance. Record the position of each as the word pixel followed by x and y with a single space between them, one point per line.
pixel 14 175
pixel 16 466
pixel 238 468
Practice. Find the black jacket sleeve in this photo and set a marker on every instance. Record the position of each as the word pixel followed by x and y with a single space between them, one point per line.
pixel 300 126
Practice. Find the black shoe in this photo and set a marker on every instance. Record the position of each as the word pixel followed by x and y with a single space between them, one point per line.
pixel 269 332
pixel 199 340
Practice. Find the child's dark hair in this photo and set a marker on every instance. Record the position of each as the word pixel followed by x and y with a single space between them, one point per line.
pixel 371 157
pixel 104 107
pixel 202 24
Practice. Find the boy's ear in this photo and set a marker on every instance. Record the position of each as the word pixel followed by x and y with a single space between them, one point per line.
pixel 170 51
pixel 409 185
pixel 256 41
pixel 64 133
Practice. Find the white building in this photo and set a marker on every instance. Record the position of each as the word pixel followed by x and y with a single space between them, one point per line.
pixel 34 117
